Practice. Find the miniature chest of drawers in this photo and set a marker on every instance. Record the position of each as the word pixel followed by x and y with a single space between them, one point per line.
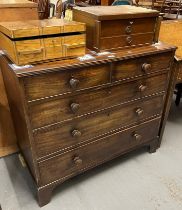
pixel 71 116
pixel 114 27
pixel 39 40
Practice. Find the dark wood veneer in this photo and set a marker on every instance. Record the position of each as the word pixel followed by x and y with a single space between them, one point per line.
pixel 59 108
pixel 122 100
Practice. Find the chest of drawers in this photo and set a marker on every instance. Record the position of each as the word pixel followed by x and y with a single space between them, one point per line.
pixel 71 116
pixel 112 28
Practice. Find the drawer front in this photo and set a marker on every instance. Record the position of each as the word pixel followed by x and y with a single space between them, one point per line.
pixel 124 41
pixel 53 48
pixel 74 132
pixel 53 52
pixel 141 66
pixel 74 45
pixel 29 51
pixel 74 39
pixel 55 110
pixel 77 27
pixel 52 42
pixel 125 27
pixel 66 81
pixel 35 31
pixel 74 50
pixel 69 164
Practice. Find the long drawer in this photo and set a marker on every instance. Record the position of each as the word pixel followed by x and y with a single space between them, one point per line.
pixel 67 81
pixel 58 109
pixel 72 133
pixel 124 41
pixel 69 164
pixel 123 27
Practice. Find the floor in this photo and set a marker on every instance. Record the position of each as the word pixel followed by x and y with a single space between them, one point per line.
pixel 138 181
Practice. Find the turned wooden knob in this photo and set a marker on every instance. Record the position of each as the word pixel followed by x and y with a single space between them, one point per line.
pixel 76 133
pixel 128 29
pixel 137 136
pixel 139 111
pixel 77 160
pixel 129 39
pixel 75 107
pixel 74 83
pixel 146 67
pixel 142 88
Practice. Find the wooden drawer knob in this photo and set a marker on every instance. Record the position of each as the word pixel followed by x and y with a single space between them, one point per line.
pixel 142 88
pixel 128 29
pixel 137 136
pixel 139 111
pixel 75 107
pixel 76 133
pixel 74 83
pixel 129 39
pixel 77 160
pixel 146 67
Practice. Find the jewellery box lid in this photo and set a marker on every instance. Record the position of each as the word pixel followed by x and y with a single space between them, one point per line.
pixel 116 12
pixel 32 28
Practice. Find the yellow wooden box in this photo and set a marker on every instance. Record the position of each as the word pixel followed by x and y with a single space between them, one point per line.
pixel 38 40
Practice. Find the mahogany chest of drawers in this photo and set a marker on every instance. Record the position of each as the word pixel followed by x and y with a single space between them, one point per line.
pixel 111 28
pixel 72 115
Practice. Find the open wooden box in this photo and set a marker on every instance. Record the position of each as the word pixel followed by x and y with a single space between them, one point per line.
pixel 38 40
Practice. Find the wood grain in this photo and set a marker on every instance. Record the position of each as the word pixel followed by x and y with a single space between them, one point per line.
pixel 110 28
pixel 7 132
pixel 57 109
pixel 121 102
pixel 17 3
pixel 26 11
pixel 27 49
pixel 120 27
pixel 58 83
pixel 170 32
pixel 92 126
pixel 61 166
pixel 113 13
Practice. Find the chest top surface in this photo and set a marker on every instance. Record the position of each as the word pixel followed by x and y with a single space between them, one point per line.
pixel 116 12
pixel 63 65
pixel 17 3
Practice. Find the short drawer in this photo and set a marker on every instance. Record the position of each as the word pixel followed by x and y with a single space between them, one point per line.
pixel 94 153
pixel 53 47
pixel 29 51
pixel 79 130
pixel 50 84
pixel 53 42
pixel 54 52
pixel 58 109
pixel 116 42
pixel 128 26
pixel 74 50
pixel 74 45
pixel 144 65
